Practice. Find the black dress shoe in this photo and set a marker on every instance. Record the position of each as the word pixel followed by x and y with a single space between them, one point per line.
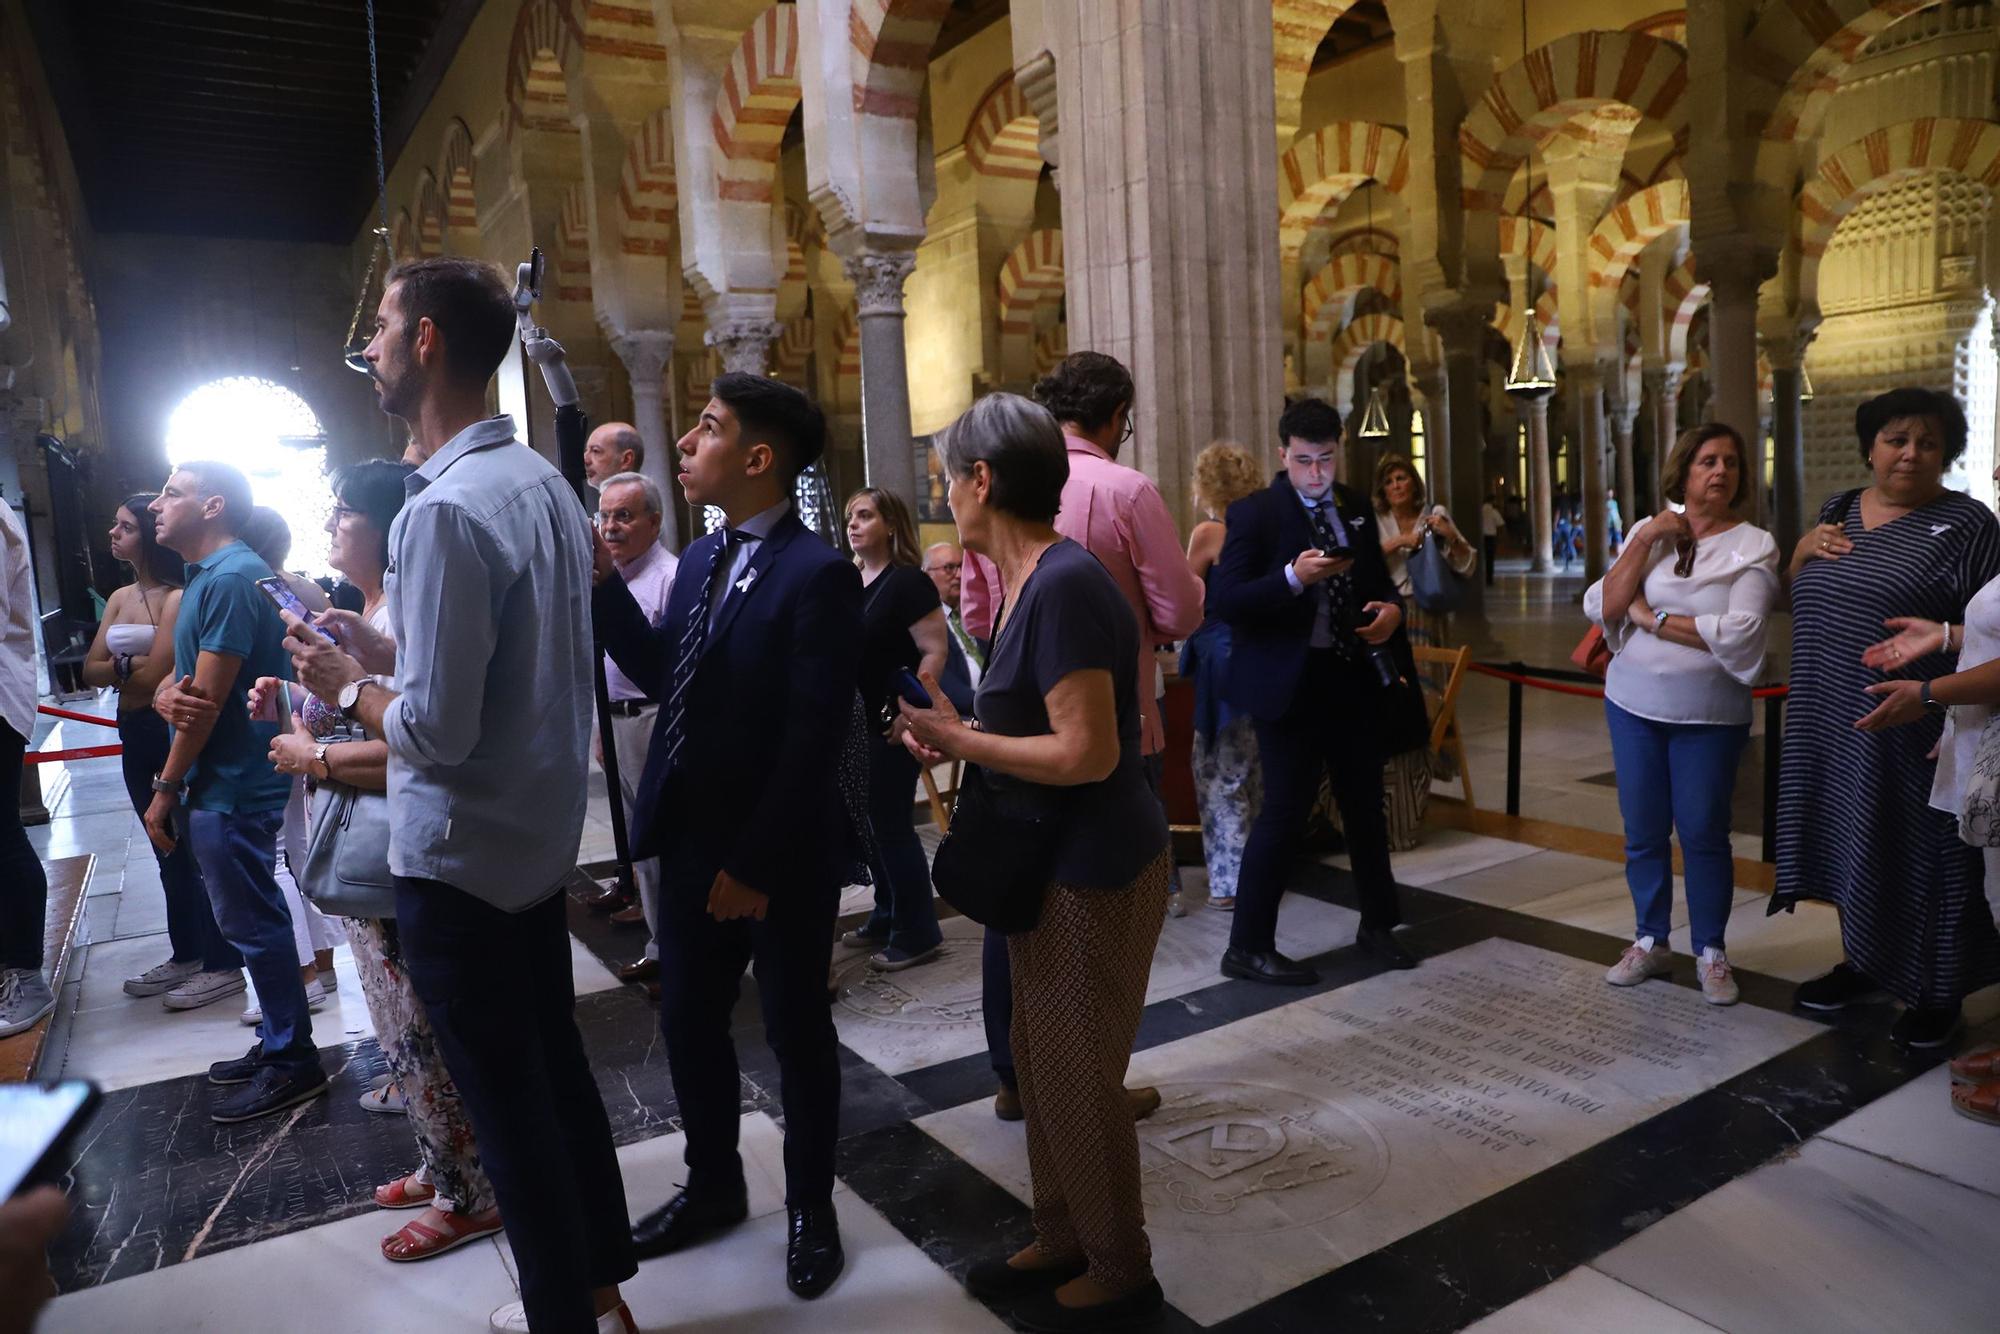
pixel 1137 1309
pixel 1921 1029
pixel 998 1281
pixel 1266 966
pixel 686 1219
pixel 813 1258
pixel 1381 942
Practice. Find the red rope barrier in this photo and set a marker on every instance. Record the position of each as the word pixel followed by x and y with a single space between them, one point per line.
pixel 76 717
pixel 84 753
pixel 1592 692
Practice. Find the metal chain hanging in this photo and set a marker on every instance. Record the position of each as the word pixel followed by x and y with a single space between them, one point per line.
pixel 377 253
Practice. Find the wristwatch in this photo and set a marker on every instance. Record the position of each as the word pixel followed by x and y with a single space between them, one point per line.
pixel 1925 696
pixel 177 790
pixel 350 695
pixel 319 756
pixel 1659 621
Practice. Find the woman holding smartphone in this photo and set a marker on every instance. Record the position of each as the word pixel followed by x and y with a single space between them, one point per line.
pixel 133 652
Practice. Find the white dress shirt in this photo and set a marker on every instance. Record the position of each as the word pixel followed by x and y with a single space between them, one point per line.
pixel 650 577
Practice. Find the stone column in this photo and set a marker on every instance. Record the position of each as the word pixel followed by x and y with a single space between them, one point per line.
pixel 1586 393
pixel 1623 417
pixel 1734 274
pixel 1169 190
pixel 1429 382
pixel 878 277
pixel 1533 410
pixel 1458 472
pixel 744 345
pixel 646 354
pixel 1661 389
pixel 1787 519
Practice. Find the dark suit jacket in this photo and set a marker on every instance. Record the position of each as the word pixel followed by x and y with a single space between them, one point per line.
pixel 1270 625
pixel 755 792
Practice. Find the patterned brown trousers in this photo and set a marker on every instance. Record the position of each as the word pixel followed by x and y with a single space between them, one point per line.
pixel 1079 987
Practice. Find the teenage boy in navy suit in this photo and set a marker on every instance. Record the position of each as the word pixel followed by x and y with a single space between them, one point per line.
pixel 755 664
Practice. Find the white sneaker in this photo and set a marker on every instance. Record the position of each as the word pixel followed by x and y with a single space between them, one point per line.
pixel 315 1002
pixel 24 999
pixel 1718 983
pixel 513 1319
pixel 161 977
pixel 1175 908
pixel 204 988
pixel 1642 959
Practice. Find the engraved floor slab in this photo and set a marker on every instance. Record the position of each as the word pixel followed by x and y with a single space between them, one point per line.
pixel 905 1021
pixel 1308 1136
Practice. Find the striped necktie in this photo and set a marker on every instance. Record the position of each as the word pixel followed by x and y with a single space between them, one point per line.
pixel 694 638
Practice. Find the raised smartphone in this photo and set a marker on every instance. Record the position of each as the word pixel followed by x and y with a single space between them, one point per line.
pixel 38 1122
pixel 284 599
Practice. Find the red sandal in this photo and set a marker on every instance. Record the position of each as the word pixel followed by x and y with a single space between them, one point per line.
pixel 1977 1066
pixel 417 1240
pixel 405 1193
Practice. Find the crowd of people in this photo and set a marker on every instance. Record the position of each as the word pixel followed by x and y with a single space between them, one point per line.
pixel 418 745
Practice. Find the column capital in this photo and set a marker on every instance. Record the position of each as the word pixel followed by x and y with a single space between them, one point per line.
pixel 878 277
pixel 1735 266
pixel 1461 327
pixel 1785 345
pixel 645 353
pixel 745 345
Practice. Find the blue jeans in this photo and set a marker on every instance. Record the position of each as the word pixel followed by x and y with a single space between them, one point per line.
pixel 190 923
pixel 904 914
pixel 237 853
pixel 1677 777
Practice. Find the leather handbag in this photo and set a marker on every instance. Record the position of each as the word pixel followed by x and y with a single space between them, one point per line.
pixel 347 862
pixel 1433 583
pixel 1591 652
pixel 999 852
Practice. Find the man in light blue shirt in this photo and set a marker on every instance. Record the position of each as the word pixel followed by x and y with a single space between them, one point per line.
pixel 488 727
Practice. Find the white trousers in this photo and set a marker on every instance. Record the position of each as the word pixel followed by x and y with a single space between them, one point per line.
pixel 632 738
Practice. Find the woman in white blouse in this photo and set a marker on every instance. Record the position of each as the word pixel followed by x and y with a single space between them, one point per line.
pixel 1683 610
pixel 1406 517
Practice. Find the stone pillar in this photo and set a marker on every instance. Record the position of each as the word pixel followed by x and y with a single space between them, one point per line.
pixel 1734 275
pixel 1534 413
pixel 885 378
pixel 1623 416
pixel 1459 471
pixel 1429 382
pixel 744 345
pixel 1586 393
pixel 646 354
pixel 1787 520
pixel 1169 190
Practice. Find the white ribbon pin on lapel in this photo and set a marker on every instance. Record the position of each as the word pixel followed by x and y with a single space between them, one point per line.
pixel 743 584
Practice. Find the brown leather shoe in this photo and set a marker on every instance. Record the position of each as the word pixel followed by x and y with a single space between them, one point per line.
pixel 639 970
pixel 1007 1104
pixel 1143 1101
pixel 633 914
pixel 608 899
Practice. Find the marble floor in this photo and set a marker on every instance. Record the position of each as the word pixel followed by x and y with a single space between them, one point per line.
pixel 1494 1141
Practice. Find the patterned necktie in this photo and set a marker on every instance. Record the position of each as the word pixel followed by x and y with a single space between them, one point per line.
pixel 966 643
pixel 694 638
pixel 1339 588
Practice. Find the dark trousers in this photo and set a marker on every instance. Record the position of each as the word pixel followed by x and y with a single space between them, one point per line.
pixel 191 925
pixel 701 971
pixel 1492 546
pixel 24 888
pixel 237 851
pixel 1333 725
pixel 497 989
pixel 996 999
pixel 904 914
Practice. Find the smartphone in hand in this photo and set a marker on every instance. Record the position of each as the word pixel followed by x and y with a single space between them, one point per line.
pixel 284 599
pixel 38 1122
pixel 912 689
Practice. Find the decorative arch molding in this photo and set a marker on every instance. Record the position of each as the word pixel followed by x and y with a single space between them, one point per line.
pixel 892 41
pixel 1797 53
pixel 544 52
pixel 1354 341
pixel 847 360
pixel 1507 322
pixel 1326 166
pixel 1682 295
pixel 1297 29
pixel 403 236
pixel 791 352
pixel 455 179
pixel 1534 97
pixel 648 193
pixel 1031 279
pixel 1531 239
pixel 759 91
pixel 1328 301
pixel 573 247
pixel 1633 225
pixel 1001 138
pixel 430 214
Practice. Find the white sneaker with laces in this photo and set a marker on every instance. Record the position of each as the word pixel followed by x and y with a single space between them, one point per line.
pixel 1642 959
pixel 315 1002
pixel 204 988
pixel 161 977
pixel 1718 983
pixel 513 1319
pixel 24 999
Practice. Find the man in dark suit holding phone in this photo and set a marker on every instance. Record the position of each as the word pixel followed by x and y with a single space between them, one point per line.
pixel 755 664
pixel 1320 663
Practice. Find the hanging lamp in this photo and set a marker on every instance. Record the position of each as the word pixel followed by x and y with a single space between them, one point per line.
pixel 380 256
pixel 1531 373
pixel 1375 420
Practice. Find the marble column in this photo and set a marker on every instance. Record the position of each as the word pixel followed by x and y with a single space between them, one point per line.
pixel 1623 417
pixel 1787 520
pixel 1533 410
pixel 1429 382
pixel 646 354
pixel 744 345
pixel 878 277
pixel 1586 395
pixel 1734 276
pixel 1458 470
pixel 1169 188
pixel 1662 393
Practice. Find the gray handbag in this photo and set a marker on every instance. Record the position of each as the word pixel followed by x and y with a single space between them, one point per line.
pixel 347 862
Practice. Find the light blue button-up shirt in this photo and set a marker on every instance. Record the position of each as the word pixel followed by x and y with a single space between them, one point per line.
pixel 488 590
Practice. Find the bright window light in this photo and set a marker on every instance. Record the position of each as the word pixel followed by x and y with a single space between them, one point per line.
pixel 268 432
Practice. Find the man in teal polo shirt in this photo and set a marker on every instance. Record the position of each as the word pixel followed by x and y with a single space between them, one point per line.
pixel 227 636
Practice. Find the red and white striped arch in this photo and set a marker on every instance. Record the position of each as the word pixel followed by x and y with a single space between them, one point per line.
pixel 1324 167
pixel 461 212
pixel 648 197
pixel 1031 280
pixel 759 91
pixel 620 31
pixel 1297 29
pixel 1633 225
pixel 545 47
pixel 430 214
pixel 573 247
pixel 892 41
pixel 1531 100
pixel 1328 301
pixel 847 360
pixel 1507 321
pixel 1682 295
pixel 402 236
pixel 1797 53
pixel 793 350
pixel 1001 139
pixel 1355 340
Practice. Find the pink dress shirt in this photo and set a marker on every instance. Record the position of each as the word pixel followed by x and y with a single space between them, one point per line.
pixel 1119 516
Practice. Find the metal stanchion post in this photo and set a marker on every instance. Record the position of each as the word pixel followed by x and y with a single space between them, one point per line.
pixel 1774 712
pixel 1514 740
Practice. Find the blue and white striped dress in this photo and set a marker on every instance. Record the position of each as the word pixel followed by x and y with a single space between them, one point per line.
pixel 1855 827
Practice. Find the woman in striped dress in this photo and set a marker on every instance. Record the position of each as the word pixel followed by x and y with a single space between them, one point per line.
pixel 1855 827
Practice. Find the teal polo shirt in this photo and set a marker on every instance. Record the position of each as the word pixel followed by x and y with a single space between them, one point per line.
pixel 222 611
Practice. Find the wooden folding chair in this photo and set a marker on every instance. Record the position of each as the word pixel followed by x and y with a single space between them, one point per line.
pixel 1445 735
pixel 941 802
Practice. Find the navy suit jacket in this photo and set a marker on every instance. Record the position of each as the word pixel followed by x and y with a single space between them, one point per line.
pixel 756 790
pixel 1271 626
pixel 957 678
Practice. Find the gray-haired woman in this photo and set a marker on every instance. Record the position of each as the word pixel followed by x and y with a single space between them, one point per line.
pixel 1058 709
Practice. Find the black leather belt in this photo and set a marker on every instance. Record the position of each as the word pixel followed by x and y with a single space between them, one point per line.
pixel 631 708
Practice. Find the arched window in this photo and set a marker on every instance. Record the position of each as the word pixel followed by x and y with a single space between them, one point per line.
pixel 272 436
